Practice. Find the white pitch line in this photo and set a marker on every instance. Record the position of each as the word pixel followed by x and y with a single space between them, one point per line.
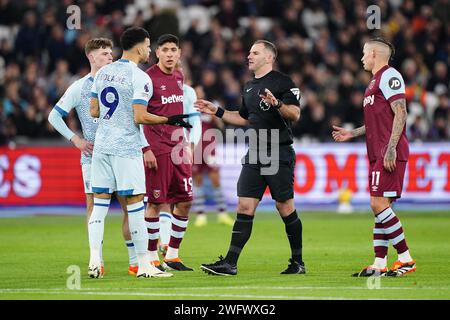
pixel 283 288
pixel 243 288
pixel 178 294
pixel 276 288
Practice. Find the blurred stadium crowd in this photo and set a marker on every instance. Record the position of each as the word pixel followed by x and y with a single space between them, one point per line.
pixel 319 42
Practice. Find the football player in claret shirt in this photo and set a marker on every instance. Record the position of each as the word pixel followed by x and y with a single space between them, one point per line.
pixel 194 134
pixel 166 181
pixel 387 149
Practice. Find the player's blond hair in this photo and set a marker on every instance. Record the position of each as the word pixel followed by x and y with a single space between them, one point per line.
pixel 97 43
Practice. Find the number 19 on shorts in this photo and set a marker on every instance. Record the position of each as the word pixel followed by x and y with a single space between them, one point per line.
pixel 187 184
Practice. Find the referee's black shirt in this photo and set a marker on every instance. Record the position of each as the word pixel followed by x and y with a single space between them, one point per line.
pixel 262 116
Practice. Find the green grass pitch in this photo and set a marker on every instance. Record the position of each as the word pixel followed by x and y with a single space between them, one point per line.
pixel 35 253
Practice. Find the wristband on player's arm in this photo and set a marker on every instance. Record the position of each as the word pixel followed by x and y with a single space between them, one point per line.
pixel 145 149
pixel 279 104
pixel 220 112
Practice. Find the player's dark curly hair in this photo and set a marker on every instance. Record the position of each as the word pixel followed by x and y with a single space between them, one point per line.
pixel 165 38
pixel 133 36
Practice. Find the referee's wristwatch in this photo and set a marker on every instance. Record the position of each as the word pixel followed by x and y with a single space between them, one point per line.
pixel 279 104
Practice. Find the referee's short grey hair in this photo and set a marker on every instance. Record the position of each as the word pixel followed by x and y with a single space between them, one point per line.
pixel 269 46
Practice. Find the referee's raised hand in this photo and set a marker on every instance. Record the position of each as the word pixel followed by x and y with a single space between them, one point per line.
pixel 268 97
pixel 205 106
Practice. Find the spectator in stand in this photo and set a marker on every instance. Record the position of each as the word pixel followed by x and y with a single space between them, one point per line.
pixel 440 129
pixel 319 45
pixel 417 131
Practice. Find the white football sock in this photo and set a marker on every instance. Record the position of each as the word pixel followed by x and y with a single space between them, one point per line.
pixel 172 253
pixel 380 263
pixel 143 260
pixel 132 258
pixel 405 257
pixel 165 226
pixel 96 227
pixel 153 255
pixel 138 231
pixel 101 253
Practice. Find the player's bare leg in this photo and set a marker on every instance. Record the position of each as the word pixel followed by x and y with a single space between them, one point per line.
pixel 293 227
pixel 219 197
pixel 242 230
pixel 96 226
pixel 180 219
pixel 199 200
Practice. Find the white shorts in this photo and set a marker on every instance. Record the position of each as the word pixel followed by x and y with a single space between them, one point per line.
pixel 86 170
pixel 112 173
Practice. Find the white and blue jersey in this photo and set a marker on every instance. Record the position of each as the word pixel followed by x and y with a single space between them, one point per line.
pixel 189 97
pixel 118 86
pixel 77 96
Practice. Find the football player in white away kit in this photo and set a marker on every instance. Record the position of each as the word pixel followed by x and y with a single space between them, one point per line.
pixel 119 98
pixel 99 53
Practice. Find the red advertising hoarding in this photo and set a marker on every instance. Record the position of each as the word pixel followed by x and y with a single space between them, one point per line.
pixel 38 176
pixel 41 176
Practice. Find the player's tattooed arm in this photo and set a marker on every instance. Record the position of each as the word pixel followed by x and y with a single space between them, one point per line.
pixel 399 108
pixel 358 131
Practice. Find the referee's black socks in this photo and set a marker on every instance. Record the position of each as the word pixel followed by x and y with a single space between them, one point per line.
pixel 293 227
pixel 242 230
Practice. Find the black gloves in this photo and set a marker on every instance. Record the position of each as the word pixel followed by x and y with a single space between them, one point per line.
pixel 177 120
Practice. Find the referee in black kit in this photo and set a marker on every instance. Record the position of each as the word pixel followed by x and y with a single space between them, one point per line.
pixel 270 104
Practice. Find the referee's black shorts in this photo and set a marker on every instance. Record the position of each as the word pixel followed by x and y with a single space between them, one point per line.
pixel 252 183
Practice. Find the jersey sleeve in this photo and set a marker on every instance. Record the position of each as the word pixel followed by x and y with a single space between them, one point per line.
pixel 142 88
pixel 56 120
pixel 243 111
pixel 392 85
pixel 189 98
pixel 290 94
pixel 69 100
